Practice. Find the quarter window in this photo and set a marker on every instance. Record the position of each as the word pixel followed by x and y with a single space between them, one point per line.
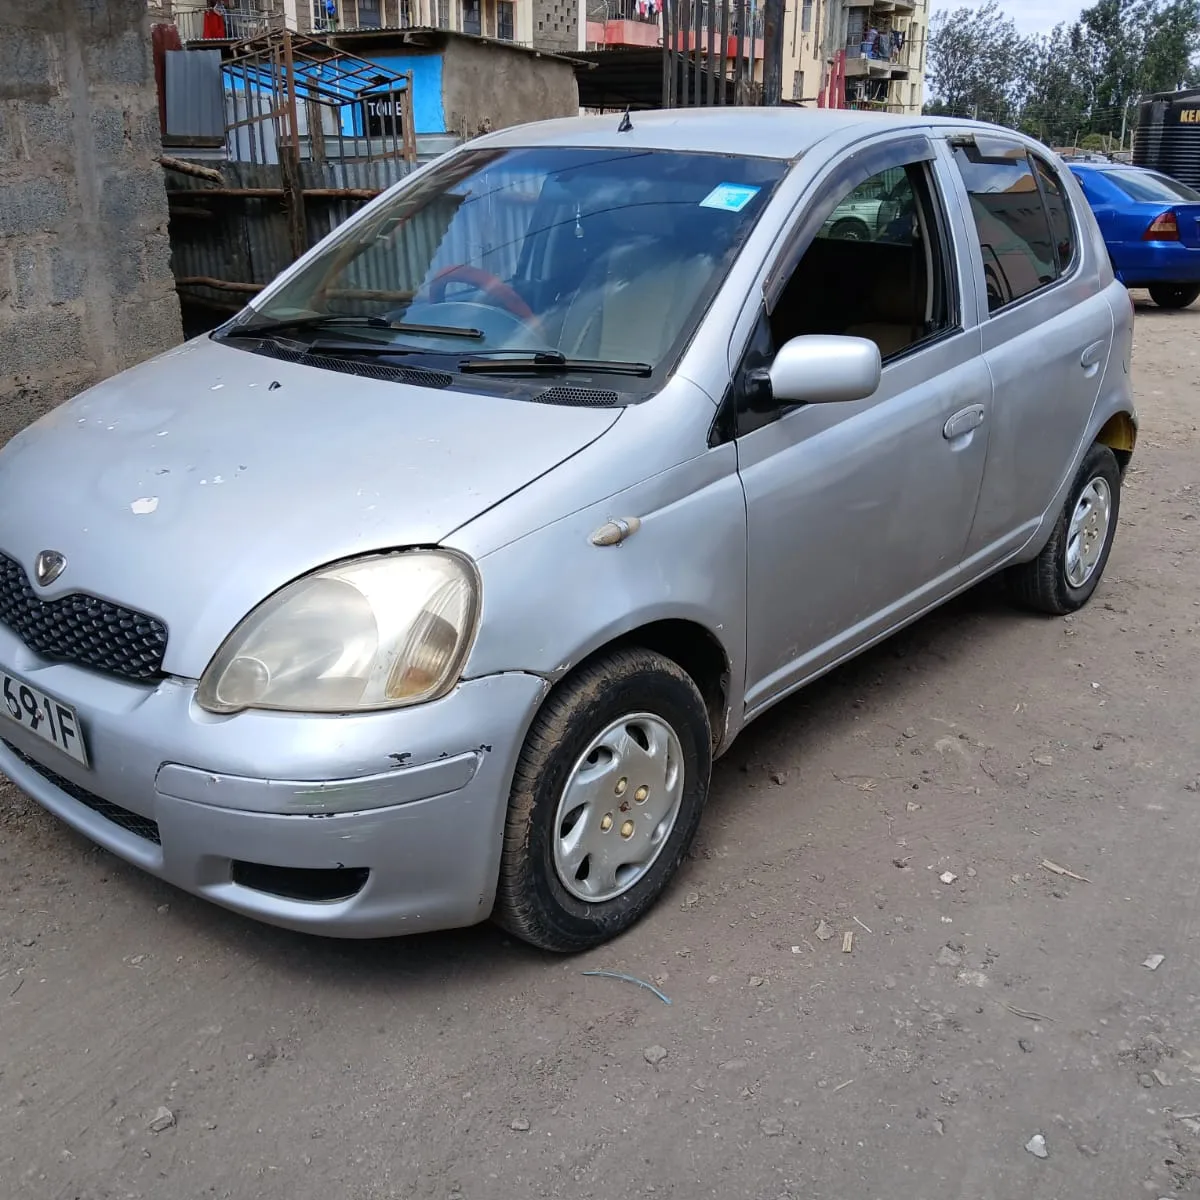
pixel 1062 232
pixel 1020 254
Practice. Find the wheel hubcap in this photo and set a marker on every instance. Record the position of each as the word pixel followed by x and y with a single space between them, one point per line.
pixel 1088 531
pixel 618 808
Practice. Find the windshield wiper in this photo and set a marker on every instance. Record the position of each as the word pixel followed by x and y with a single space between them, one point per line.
pixel 267 329
pixel 550 362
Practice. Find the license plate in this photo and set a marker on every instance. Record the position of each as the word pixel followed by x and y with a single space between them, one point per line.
pixel 44 717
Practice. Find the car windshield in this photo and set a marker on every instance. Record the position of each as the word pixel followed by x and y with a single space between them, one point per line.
pixel 1150 185
pixel 556 257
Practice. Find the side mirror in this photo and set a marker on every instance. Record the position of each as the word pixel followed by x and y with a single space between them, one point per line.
pixel 823 369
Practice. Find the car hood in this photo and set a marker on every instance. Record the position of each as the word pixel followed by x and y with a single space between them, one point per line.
pixel 195 485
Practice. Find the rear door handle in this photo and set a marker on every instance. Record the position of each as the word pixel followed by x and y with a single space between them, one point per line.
pixel 1091 356
pixel 963 421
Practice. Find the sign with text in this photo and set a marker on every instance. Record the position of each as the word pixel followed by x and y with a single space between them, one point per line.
pixel 383 114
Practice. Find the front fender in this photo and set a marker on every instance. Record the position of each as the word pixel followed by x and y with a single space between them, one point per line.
pixel 552 598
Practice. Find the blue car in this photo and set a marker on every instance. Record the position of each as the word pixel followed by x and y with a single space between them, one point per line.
pixel 1151 225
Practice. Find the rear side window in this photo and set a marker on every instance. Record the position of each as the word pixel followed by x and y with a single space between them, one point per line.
pixel 1010 207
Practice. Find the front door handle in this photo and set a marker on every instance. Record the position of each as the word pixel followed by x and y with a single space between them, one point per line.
pixel 1091 356
pixel 963 421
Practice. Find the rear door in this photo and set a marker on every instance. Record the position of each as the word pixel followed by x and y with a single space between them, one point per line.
pixel 1047 332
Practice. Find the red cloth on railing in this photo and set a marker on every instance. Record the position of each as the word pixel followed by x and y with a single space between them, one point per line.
pixel 213 29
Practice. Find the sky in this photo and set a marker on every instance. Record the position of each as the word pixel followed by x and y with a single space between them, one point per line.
pixel 1031 16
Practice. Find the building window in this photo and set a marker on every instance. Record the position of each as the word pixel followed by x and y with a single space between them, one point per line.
pixel 369 16
pixel 806 16
pixel 504 20
pixel 472 17
pixel 797 85
pixel 325 15
pixel 443 14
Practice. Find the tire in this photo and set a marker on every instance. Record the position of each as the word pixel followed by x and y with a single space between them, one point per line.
pixel 1174 295
pixel 542 897
pixel 1045 585
pixel 850 229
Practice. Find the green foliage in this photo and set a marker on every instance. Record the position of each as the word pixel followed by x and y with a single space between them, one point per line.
pixel 1081 78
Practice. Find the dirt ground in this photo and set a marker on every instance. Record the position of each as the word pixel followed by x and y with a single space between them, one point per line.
pixel 968 1016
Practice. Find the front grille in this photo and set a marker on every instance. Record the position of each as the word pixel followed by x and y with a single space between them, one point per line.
pixel 81 629
pixel 131 822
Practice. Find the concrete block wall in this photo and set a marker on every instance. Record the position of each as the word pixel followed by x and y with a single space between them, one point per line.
pixel 85 265
pixel 556 25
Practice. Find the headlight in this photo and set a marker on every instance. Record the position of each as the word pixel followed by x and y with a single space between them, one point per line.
pixel 375 633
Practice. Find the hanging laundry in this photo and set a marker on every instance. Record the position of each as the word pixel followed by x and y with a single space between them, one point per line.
pixel 214 27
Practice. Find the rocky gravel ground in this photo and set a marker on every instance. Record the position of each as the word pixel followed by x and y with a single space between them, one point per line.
pixel 938 938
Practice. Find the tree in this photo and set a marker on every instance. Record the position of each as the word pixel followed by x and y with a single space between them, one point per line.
pixel 1080 78
pixel 977 63
pixel 1171 47
pixel 1130 47
pixel 1056 105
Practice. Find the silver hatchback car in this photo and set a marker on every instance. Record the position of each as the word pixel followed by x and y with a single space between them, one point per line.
pixel 429 587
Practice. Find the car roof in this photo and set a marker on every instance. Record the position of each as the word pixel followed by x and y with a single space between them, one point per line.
pixel 1111 168
pixel 779 132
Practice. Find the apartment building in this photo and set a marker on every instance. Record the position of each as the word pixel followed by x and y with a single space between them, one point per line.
pixel 856 53
pixel 553 25
pixel 836 53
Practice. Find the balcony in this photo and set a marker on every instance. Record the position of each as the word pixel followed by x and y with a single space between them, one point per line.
pixel 638 23
pixel 238 21
pixel 881 60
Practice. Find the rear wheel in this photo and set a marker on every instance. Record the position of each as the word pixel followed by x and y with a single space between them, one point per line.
pixel 606 799
pixel 1066 573
pixel 1174 295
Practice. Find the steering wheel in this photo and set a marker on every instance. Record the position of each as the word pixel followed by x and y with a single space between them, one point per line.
pixel 495 289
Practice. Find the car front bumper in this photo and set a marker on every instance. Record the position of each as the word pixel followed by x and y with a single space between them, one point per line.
pixel 362 826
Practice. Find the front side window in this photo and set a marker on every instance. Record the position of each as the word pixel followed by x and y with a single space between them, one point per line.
pixel 1019 255
pixel 878 269
pixel 601 255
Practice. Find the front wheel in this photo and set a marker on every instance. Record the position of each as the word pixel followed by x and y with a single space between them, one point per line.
pixel 606 799
pixel 1174 295
pixel 1066 573
pixel 850 229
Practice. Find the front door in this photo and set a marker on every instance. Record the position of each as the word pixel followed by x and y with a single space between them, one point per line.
pixel 858 514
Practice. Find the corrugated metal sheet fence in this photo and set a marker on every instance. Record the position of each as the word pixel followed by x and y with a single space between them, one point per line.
pixel 228 240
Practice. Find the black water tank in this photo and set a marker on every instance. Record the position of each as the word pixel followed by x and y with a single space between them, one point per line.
pixel 1167 137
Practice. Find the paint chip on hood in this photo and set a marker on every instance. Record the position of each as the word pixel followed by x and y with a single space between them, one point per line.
pixel 144 506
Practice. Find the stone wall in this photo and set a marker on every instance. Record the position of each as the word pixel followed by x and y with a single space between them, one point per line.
pixel 85 280
pixel 488 85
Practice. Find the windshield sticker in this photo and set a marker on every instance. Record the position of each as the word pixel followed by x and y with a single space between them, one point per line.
pixel 729 197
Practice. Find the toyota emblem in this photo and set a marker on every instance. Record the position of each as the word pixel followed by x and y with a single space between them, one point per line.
pixel 50 565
